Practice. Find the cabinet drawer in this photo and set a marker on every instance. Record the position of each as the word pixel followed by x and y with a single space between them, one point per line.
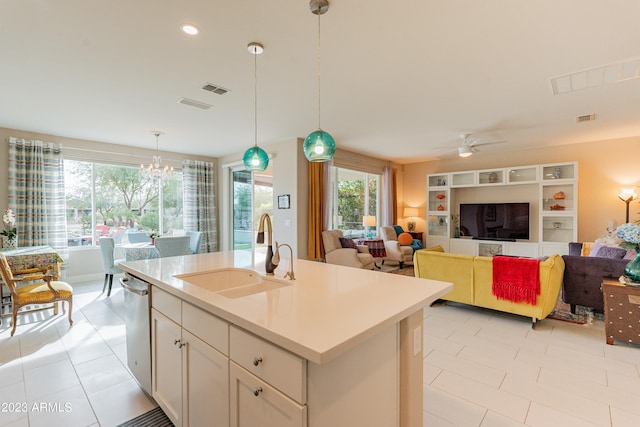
pixel 253 402
pixel 285 371
pixel 166 304
pixel 209 328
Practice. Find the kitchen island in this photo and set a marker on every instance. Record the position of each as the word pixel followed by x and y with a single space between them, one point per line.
pixel 338 346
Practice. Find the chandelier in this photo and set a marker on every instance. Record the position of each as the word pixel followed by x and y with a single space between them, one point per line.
pixel 154 169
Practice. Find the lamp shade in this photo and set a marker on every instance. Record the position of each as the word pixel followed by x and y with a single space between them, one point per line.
pixel 627 194
pixel 255 159
pixel 319 146
pixel 369 221
pixel 410 212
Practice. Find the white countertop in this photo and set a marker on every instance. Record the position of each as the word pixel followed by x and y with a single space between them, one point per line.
pixel 326 311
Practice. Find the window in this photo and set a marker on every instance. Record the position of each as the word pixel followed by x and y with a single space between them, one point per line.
pixel 355 194
pixel 110 200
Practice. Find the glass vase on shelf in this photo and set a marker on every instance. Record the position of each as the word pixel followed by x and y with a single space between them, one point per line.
pixel 632 270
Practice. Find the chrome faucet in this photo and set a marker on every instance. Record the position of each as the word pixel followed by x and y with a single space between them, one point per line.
pixel 276 259
pixel 269 264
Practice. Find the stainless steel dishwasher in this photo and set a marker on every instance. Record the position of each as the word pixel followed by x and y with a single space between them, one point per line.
pixel 138 326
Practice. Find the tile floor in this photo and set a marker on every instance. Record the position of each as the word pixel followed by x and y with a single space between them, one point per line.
pixel 70 376
pixel 481 368
pixel 484 368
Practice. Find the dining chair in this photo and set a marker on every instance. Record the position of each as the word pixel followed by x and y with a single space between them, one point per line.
pixel 195 239
pixel 110 264
pixel 38 287
pixel 172 246
pixel 138 237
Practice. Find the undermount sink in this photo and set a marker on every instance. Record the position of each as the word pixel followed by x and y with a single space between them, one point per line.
pixel 232 282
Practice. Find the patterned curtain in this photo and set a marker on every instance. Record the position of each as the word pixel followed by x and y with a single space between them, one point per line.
pixel 36 193
pixel 199 193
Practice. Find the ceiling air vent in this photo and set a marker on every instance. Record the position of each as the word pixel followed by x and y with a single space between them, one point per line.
pixel 586 118
pixel 194 103
pixel 215 89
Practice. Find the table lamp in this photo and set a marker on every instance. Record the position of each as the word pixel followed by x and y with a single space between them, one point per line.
pixel 369 221
pixel 411 213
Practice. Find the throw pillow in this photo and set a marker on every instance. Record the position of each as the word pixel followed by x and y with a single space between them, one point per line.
pixel 593 250
pixel 347 243
pixel 405 239
pixel 631 254
pixel 611 252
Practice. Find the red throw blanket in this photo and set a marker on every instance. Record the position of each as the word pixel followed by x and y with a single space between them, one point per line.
pixel 516 279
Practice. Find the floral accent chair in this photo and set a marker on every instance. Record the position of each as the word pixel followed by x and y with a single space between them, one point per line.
pixel 37 287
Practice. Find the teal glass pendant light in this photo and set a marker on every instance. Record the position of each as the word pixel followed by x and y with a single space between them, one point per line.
pixel 319 146
pixel 255 159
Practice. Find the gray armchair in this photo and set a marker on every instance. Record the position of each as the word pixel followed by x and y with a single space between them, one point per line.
pixel 358 257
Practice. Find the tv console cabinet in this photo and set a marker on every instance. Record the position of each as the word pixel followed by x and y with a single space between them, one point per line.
pixel 550 189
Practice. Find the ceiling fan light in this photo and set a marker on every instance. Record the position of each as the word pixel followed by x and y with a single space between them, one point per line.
pixel 255 159
pixel 465 151
pixel 319 146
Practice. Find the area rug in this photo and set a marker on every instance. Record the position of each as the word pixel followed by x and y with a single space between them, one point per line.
pixel 153 418
pixel 407 270
pixel 562 311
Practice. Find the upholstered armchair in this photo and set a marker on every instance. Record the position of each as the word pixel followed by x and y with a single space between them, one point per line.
pixel 395 251
pixel 34 286
pixel 356 256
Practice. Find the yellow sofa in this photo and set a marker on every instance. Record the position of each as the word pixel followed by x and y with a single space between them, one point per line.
pixel 472 277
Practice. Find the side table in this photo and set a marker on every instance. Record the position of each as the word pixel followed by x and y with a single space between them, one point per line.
pixel 621 311
pixel 376 248
pixel 416 234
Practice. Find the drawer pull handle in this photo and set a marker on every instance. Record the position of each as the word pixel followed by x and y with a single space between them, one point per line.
pixel 257 391
pixel 176 342
pixel 257 361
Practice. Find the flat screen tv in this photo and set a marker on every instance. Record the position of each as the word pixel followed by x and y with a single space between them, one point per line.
pixel 495 221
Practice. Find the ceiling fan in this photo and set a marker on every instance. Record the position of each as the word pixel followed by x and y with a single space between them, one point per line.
pixel 469 145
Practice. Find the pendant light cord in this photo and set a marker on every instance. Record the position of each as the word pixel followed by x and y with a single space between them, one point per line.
pixel 319 68
pixel 255 96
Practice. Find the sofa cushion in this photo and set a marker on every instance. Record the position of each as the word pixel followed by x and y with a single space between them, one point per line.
pixel 611 252
pixel 405 239
pixel 437 248
pixel 347 243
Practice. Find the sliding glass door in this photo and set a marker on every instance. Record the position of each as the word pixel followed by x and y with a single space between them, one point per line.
pixel 252 196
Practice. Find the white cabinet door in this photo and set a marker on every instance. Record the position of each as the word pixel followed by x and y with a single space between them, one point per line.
pixel 205 377
pixel 166 365
pixel 253 402
pixel 463 246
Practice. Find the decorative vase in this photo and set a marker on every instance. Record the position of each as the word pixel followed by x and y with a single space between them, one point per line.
pixel 9 242
pixel 153 240
pixel 456 232
pixel 632 270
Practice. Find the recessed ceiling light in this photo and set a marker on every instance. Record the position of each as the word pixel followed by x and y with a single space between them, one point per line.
pixel 190 29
